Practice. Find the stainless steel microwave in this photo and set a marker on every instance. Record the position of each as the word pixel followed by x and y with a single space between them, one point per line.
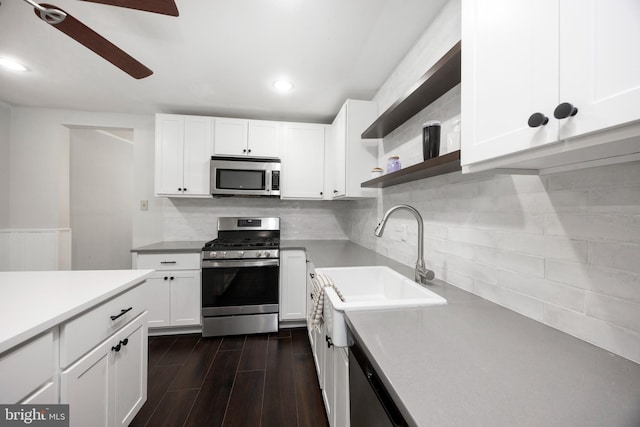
pixel 245 176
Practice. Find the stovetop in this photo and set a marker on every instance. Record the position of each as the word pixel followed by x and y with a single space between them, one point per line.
pixel 242 243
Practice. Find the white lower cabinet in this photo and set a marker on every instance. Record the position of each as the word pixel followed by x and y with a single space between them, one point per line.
pixel 293 279
pixel 341 383
pixel 26 371
pixel 108 386
pixel 332 366
pixel 173 291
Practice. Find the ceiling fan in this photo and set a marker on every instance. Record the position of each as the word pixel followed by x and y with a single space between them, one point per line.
pixel 78 31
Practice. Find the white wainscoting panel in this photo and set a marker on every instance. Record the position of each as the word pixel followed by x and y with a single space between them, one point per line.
pixel 35 249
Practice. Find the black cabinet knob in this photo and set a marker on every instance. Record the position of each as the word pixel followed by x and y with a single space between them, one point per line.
pixel 335 191
pixel 166 278
pixel 249 150
pixel 116 348
pixel 179 189
pixel 564 110
pixel 184 189
pixel 171 278
pixel 244 150
pixel 537 119
pixel 124 341
pixel 321 193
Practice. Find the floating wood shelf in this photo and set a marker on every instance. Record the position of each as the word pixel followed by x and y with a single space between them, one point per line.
pixel 440 165
pixel 440 78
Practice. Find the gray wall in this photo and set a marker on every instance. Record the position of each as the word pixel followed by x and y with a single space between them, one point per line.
pixel 5 183
pixel 101 200
pixel 562 249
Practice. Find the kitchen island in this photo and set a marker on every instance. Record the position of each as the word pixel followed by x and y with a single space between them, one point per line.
pixel 77 338
pixel 474 363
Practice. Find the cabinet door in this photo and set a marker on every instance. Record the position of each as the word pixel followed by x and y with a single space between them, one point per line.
pixel 599 64
pixel 230 137
pixel 293 281
pixel 198 145
pixel 185 298
pixel 85 387
pixel 159 299
pixel 341 369
pixel 130 374
pixel 303 161
pixel 338 164
pixel 509 72
pixel 263 140
pixel 328 391
pixel 169 154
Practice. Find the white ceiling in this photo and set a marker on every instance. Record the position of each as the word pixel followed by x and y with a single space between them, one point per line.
pixel 219 57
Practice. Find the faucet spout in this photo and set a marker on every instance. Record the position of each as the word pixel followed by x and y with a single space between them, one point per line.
pixel 422 273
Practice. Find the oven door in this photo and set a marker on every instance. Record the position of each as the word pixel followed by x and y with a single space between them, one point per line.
pixel 240 287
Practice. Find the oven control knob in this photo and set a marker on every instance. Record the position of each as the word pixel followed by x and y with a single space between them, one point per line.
pixel 240 254
pixel 259 254
pixel 213 254
pixel 267 254
pixel 224 254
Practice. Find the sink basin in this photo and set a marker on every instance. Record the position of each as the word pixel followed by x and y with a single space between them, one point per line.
pixel 367 288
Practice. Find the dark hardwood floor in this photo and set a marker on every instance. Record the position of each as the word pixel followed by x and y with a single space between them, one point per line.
pixel 245 381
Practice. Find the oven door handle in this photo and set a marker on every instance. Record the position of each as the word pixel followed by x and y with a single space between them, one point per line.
pixel 240 263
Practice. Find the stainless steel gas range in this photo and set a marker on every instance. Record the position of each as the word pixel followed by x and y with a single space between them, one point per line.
pixel 240 277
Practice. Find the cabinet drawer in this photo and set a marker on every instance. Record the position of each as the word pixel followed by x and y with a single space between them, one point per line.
pixel 84 332
pixel 169 261
pixel 25 369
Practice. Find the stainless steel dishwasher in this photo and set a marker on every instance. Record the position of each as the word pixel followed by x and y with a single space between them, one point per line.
pixel 371 405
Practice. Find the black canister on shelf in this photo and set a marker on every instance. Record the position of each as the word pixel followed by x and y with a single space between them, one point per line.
pixel 431 139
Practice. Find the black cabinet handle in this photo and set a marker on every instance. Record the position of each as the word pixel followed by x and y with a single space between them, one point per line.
pixel 537 119
pixel 335 191
pixel 118 346
pixel 167 262
pixel 564 110
pixel 122 313
pixel 327 338
pixel 311 295
pixel 312 275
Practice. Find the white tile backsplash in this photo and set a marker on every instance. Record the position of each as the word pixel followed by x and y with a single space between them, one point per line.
pixel 196 219
pixel 563 249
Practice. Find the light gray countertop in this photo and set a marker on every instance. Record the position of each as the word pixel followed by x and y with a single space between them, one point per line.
pixel 186 246
pixel 475 363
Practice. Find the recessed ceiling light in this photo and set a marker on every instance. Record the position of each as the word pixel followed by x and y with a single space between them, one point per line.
pixel 283 85
pixel 12 64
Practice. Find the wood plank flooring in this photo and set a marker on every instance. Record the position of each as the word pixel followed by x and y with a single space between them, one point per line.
pixel 245 381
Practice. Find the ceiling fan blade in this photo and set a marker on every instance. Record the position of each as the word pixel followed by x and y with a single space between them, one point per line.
pixel 164 7
pixel 94 41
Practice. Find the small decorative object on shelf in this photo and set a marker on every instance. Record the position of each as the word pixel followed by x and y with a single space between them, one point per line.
pixel 431 139
pixel 376 172
pixel 393 164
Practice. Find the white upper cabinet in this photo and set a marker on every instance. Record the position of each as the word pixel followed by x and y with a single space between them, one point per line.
pixel 528 65
pixel 183 150
pixel 303 161
pixel 352 157
pixel 230 137
pixel 239 137
pixel 263 139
